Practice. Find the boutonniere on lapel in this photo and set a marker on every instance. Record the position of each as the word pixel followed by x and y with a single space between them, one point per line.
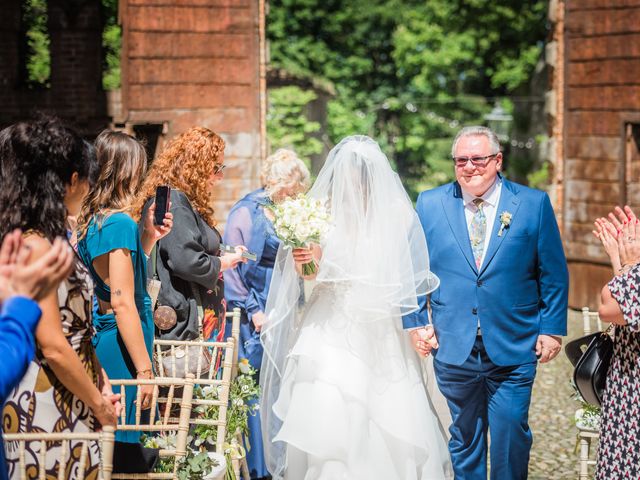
pixel 505 221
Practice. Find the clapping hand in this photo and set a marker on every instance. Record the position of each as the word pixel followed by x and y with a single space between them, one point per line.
pixel 607 234
pixel 625 227
pixel 35 280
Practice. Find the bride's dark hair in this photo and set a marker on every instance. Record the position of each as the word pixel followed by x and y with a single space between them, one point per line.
pixel 37 160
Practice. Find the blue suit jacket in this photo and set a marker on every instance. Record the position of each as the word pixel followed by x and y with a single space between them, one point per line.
pixel 521 290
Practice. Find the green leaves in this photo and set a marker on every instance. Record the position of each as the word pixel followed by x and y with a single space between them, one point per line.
pixel 38 59
pixel 409 73
pixel 287 123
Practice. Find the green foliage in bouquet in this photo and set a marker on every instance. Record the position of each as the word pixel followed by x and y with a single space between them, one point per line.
pixel 587 416
pixel 197 464
pixel 243 393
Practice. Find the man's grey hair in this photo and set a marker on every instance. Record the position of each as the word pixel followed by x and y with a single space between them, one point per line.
pixel 475 131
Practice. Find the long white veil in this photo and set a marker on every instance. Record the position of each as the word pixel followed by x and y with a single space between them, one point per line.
pixel 376 249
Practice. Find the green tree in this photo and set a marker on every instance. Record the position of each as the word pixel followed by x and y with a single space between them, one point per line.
pixel 287 122
pixel 409 72
pixel 112 45
pixel 38 58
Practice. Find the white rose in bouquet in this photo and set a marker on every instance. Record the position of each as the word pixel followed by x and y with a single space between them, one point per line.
pixel 300 221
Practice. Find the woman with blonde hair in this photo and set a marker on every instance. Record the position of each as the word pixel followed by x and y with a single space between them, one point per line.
pixel 188 260
pixel 115 254
pixel 283 176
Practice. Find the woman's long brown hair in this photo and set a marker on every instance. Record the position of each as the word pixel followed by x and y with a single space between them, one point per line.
pixel 186 164
pixel 123 163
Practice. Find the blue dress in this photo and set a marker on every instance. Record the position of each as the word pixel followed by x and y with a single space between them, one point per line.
pixel 247 288
pixel 118 231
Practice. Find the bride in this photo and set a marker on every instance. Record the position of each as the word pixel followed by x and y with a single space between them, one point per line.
pixel 343 393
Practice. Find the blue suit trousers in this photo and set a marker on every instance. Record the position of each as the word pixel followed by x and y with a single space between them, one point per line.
pixel 485 397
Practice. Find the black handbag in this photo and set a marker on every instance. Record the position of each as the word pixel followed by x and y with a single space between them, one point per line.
pixel 591 356
pixel 134 458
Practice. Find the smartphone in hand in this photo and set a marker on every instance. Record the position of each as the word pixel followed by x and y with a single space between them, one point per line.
pixel 248 255
pixel 163 196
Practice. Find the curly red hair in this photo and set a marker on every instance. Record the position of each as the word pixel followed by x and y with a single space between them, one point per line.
pixel 186 164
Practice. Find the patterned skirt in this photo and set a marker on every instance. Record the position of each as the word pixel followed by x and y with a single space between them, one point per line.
pixel 619 449
pixel 41 403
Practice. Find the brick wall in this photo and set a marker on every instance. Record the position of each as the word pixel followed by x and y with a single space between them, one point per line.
pixel 197 62
pixel 75 94
pixel 602 94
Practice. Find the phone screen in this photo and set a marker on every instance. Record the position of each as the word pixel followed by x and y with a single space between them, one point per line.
pixel 163 193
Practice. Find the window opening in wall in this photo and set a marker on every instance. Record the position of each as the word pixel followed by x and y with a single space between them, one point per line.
pixel 111 46
pixel 151 135
pixel 35 52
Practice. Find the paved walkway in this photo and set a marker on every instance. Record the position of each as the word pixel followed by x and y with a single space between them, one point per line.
pixel 553 455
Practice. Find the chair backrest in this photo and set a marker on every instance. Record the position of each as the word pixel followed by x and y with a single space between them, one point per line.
pixel 169 392
pixel 68 441
pixel 222 360
pixel 589 318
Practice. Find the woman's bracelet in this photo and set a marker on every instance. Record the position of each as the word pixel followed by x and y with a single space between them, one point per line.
pixel 147 371
pixel 625 268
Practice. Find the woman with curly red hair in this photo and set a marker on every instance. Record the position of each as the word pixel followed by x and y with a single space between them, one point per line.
pixel 188 260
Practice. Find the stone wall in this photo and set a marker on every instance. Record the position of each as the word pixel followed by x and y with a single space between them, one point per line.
pixel 75 92
pixel 198 62
pixel 599 103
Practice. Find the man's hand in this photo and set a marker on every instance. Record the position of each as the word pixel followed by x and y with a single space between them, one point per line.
pixel 548 347
pixel 423 340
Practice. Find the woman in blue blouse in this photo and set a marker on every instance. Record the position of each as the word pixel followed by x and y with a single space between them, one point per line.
pixel 283 175
pixel 115 254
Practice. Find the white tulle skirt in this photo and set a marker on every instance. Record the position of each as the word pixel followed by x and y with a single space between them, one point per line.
pixel 353 402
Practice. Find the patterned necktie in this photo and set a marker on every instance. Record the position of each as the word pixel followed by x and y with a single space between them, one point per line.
pixel 477 231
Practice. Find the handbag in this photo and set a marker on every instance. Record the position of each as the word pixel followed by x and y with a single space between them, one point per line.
pixel 184 359
pixel 134 458
pixel 591 356
pixel 164 316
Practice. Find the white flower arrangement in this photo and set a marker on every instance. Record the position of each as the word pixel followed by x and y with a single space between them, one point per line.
pixel 300 221
pixel 505 221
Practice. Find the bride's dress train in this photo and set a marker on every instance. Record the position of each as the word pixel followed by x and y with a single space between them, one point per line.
pixel 352 401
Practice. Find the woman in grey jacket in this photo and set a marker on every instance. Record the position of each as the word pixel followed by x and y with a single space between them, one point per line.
pixel 188 261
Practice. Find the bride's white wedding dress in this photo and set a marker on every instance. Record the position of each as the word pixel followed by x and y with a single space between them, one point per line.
pixel 343 396
pixel 353 402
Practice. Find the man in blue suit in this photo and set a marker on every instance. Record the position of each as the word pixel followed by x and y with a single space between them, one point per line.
pixel 501 306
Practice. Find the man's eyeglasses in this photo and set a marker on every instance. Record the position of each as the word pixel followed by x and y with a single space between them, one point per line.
pixel 218 168
pixel 475 161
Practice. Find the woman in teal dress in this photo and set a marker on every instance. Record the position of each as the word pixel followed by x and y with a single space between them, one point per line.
pixel 115 254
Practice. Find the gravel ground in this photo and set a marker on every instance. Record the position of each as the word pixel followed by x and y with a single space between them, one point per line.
pixel 553 456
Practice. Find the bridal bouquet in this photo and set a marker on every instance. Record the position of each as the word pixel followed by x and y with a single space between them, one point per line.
pixel 300 221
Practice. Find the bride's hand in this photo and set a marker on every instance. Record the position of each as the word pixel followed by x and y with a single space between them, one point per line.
pixel 302 256
pixel 424 340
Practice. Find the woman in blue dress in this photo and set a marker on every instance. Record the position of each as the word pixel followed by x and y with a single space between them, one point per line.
pixel 283 175
pixel 115 254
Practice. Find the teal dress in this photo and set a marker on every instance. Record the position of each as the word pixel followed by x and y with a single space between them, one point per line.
pixel 118 231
